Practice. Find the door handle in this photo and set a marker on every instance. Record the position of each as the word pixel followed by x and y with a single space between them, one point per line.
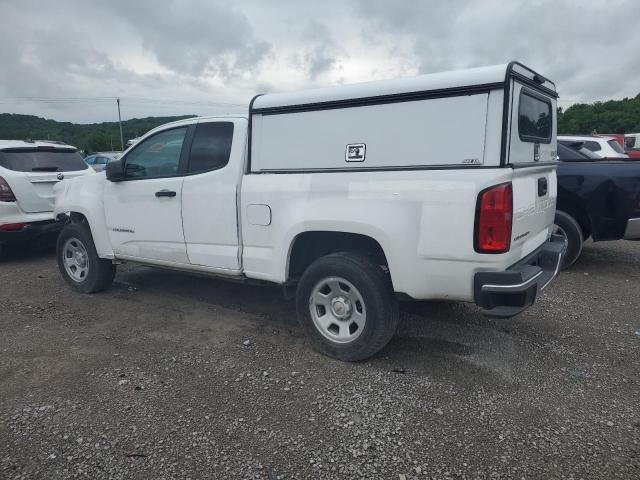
pixel 543 186
pixel 165 193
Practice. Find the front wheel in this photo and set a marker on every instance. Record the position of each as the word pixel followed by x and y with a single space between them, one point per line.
pixel 78 260
pixel 346 306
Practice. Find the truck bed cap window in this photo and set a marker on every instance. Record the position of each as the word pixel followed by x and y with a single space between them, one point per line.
pixel 534 118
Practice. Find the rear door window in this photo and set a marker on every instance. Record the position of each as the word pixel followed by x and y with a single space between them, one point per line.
pixel 593 146
pixel 616 146
pixel 38 160
pixel 211 146
pixel 534 118
pixel 575 152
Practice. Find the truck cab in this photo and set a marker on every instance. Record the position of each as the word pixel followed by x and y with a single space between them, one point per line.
pixel 352 197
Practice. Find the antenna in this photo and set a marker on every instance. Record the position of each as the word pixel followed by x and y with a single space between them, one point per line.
pixel 120 123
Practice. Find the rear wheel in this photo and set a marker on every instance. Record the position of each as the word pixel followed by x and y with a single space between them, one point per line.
pixel 346 306
pixel 78 260
pixel 567 227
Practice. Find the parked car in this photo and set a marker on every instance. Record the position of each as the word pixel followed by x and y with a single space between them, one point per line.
pixel 601 146
pixel 98 161
pixel 28 172
pixel 620 138
pixel 354 196
pixel 632 144
pixel 596 198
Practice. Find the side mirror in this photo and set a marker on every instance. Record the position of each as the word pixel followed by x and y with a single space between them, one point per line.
pixel 114 171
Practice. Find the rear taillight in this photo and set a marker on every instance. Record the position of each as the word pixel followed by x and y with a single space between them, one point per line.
pixel 6 195
pixel 12 227
pixel 494 214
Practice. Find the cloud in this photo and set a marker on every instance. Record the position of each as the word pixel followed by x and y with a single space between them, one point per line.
pixel 583 46
pixel 206 51
pixel 195 37
pixel 321 53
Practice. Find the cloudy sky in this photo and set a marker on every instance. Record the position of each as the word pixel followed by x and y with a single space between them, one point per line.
pixel 68 59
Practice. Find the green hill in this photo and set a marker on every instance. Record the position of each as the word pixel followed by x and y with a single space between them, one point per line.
pixel 613 116
pixel 93 137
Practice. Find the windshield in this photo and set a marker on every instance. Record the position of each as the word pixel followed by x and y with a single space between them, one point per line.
pixel 615 145
pixel 27 160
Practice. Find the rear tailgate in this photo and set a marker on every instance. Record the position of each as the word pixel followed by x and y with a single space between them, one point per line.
pixel 32 173
pixel 34 191
pixel 531 152
pixel 534 206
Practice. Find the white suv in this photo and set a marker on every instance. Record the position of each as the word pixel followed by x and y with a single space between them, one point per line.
pixel 28 172
pixel 604 147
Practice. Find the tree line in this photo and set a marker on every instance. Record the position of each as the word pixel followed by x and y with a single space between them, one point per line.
pixel 613 116
pixel 94 137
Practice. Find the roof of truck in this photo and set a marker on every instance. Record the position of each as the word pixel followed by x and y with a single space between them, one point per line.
pixel 491 76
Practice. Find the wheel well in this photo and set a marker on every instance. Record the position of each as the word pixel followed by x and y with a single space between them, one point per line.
pixel 580 216
pixel 76 217
pixel 309 246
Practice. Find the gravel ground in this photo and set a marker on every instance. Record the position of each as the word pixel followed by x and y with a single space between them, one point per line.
pixel 174 376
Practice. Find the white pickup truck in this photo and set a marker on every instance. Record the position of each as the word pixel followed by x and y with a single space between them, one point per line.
pixel 439 186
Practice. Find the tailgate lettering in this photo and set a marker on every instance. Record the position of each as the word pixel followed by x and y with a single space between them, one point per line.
pixel 539 207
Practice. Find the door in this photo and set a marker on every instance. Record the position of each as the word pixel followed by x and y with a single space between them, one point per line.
pixel 532 153
pixel 144 212
pixel 209 205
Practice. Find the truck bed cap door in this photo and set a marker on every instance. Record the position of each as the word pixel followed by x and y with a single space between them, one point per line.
pixel 531 151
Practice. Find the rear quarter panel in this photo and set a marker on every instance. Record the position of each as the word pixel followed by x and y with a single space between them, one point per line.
pixel 422 219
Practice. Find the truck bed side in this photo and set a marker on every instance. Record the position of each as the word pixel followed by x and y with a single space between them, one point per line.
pixel 423 220
pixel 600 195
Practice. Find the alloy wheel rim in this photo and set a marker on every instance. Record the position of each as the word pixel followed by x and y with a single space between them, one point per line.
pixel 75 259
pixel 337 309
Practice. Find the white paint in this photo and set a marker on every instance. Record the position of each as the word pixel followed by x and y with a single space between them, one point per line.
pixel 605 151
pixel 422 219
pixel 209 208
pixel 433 81
pixel 258 214
pixel 34 191
pixel 139 224
pixel 439 131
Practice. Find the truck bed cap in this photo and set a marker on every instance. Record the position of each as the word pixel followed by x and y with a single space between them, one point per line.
pixel 491 76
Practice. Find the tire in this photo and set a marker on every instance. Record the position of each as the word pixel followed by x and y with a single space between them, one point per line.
pixel 356 313
pixel 567 226
pixel 98 274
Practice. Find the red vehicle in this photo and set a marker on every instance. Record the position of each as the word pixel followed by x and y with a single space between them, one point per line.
pixel 632 144
pixel 619 137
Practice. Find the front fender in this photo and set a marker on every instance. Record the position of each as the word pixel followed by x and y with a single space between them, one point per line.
pixel 84 195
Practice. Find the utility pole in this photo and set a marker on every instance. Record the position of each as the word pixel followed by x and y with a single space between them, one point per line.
pixel 120 122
